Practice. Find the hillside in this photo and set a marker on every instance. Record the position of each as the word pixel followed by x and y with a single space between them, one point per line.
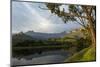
pixel 20 37
pixel 87 54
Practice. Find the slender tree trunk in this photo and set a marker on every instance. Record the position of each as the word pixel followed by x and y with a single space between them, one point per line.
pixel 92 31
pixel 88 11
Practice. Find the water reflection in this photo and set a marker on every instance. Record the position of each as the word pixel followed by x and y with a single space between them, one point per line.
pixel 57 56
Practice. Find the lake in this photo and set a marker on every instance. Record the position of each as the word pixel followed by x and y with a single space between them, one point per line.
pixel 46 57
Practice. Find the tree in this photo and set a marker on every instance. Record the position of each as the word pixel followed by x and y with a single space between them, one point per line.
pixel 85 15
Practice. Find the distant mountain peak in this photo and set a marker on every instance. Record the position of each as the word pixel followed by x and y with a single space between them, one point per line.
pixel 39 35
pixel 64 32
pixel 31 31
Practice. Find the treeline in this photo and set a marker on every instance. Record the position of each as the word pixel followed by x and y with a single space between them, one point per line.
pixel 32 43
pixel 66 43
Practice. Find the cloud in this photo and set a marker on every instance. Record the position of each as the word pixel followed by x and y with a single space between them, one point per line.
pixel 28 16
pixel 35 14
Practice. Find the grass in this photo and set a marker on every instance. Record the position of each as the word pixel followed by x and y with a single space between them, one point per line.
pixel 90 55
pixel 87 54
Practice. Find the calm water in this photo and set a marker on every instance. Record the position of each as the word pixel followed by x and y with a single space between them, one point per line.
pixel 57 56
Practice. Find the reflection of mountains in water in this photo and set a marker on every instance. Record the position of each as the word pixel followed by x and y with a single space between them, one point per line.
pixel 37 35
pixel 56 56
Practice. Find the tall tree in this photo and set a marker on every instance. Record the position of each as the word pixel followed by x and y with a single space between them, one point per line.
pixel 85 15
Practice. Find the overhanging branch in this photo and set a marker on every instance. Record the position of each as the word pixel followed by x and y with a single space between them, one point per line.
pixel 67 14
pixel 74 15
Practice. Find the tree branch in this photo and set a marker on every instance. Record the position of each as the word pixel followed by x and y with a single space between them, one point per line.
pixel 43 8
pixel 74 15
pixel 67 14
pixel 83 22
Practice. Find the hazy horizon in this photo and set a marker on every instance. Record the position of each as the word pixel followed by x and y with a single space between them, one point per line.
pixel 43 32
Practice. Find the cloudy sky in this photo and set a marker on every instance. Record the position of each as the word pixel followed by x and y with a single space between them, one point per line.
pixel 28 16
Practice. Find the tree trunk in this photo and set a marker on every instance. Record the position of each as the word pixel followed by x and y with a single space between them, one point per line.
pixel 92 31
pixel 88 11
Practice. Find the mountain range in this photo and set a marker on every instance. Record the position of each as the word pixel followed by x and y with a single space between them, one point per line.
pixel 44 36
pixel 31 35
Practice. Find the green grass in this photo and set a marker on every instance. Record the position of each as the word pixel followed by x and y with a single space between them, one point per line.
pixel 87 54
pixel 90 55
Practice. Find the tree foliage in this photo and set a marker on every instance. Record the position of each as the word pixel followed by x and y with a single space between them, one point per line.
pixel 85 15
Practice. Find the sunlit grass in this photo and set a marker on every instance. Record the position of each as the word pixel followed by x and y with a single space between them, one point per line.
pixel 87 54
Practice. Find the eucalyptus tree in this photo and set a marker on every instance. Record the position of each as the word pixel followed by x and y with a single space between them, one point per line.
pixel 85 15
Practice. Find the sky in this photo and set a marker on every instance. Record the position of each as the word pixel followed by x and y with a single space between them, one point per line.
pixel 28 16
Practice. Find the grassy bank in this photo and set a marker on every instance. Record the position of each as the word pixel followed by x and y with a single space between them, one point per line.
pixel 87 54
